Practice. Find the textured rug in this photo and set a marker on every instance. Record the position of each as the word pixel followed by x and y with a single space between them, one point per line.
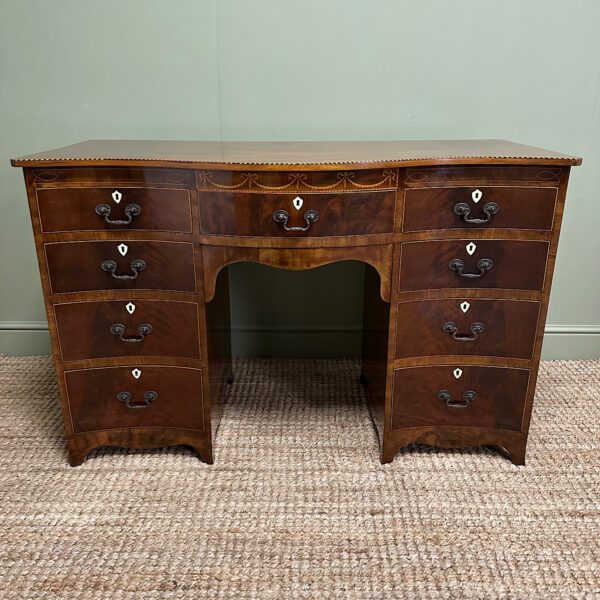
pixel 297 504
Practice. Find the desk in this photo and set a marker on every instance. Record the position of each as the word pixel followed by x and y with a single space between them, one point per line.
pixel 134 239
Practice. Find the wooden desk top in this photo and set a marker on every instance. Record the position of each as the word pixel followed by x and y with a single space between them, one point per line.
pixel 293 155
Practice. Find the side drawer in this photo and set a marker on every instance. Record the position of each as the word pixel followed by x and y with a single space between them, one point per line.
pixel 509 207
pixel 472 326
pixel 127 397
pixel 456 395
pixel 252 214
pixel 464 263
pixel 117 328
pixel 134 265
pixel 110 208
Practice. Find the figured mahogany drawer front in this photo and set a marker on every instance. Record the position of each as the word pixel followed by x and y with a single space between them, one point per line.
pixel 131 265
pixel 503 328
pixel 459 396
pixel 479 207
pixel 293 215
pixel 125 397
pixel 110 208
pixel 463 263
pixel 115 328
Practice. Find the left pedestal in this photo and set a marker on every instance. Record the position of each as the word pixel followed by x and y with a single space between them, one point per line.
pixel 138 355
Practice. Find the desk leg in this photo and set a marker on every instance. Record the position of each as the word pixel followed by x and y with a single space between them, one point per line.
pixel 375 348
pixel 218 345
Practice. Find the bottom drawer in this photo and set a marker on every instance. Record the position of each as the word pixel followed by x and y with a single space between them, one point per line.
pixel 459 396
pixel 125 397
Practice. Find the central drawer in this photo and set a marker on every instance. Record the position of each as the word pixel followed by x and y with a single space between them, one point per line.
pixel 126 397
pixel 293 215
pixel 139 265
pixel 117 328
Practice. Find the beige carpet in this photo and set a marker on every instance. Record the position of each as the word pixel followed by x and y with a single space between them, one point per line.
pixel 297 504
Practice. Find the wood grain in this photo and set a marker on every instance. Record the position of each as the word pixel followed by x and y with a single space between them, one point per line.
pixel 84 329
pixel 73 209
pixel 509 328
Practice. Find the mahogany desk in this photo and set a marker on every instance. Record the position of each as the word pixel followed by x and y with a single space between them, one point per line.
pixel 134 238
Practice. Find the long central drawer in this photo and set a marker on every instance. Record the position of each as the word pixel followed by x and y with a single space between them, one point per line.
pixel 293 215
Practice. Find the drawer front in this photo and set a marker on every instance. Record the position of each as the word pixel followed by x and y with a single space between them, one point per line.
pixel 463 263
pixel 503 328
pixel 86 266
pixel 479 207
pixel 117 328
pixel 113 398
pixel 351 213
pixel 107 209
pixel 457 395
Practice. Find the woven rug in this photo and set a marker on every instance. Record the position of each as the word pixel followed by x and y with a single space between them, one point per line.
pixel 297 504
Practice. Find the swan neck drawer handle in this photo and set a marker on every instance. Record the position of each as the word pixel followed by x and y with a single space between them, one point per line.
pixel 127 397
pixel 452 329
pixel 143 330
pixel 283 216
pixel 483 264
pixel 137 266
pixel 131 210
pixel 462 209
pixel 466 400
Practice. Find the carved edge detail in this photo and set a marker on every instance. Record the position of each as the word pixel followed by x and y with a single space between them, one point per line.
pixel 344 180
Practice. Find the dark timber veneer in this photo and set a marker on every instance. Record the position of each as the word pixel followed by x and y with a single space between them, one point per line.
pixel 134 239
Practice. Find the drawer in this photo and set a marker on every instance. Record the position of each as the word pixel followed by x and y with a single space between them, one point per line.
pixel 110 208
pixel 125 397
pixel 131 265
pixel 463 263
pixel 479 207
pixel 117 328
pixel 457 395
pixel 472 326
pixel 350 213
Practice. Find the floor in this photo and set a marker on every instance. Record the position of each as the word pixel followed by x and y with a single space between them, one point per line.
pixel 297 504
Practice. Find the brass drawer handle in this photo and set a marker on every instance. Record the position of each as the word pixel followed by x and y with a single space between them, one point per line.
pixel 467 398
pixel 143 330
pixel 452 328
pixel 137 266
pixel 283 216
pixel 483 264
pixel 462 209
pixel 131 210
pixel 127 397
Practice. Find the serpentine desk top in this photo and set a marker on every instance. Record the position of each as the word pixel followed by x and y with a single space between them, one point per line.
pixel 300 155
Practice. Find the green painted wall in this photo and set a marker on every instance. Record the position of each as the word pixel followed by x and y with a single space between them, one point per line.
pixel 273 69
